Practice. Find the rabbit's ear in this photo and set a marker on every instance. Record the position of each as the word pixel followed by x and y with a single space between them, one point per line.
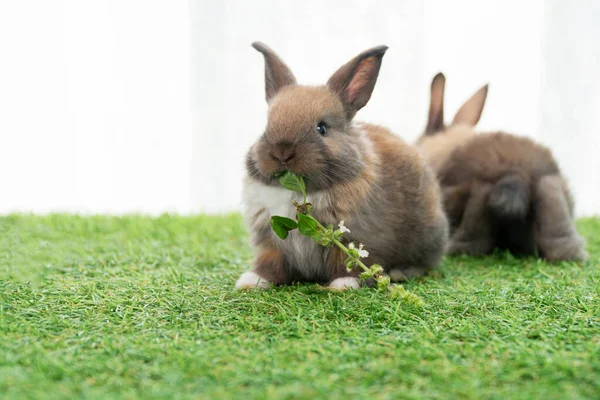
pixel 354 81
pixel 435 123
pixel 277 74
pixel 470 112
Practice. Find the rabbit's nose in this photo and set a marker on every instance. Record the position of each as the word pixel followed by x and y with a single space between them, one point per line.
pixel 283 152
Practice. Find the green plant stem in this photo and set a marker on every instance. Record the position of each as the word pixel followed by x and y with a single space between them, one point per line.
pixel 339 244
pixel 345 249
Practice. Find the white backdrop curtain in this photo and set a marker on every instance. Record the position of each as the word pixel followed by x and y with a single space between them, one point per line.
pixel 149 106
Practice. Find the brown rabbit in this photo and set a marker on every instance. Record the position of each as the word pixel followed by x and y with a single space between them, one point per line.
pixel 500 190
pixel 359 173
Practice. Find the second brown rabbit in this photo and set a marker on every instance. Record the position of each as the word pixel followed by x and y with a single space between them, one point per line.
pixel 500 190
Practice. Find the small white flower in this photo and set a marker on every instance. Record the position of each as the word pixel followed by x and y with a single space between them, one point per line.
pixel 362 253
pixel 351 246
pixel 343 229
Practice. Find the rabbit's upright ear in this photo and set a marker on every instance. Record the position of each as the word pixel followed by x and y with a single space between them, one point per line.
pixel 354 81
pixel 470 112
pixel 277 74
pixel 435 123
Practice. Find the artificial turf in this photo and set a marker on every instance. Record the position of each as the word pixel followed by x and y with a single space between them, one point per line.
pixel 140 307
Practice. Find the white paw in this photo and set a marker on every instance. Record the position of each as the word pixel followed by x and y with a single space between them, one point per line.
pixel 251 280
pixel 344 283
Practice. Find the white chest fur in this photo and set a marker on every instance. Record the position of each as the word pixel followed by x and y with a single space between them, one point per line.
pixel 301 252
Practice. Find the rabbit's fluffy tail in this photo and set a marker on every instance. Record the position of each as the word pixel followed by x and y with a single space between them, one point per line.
pixel 509 198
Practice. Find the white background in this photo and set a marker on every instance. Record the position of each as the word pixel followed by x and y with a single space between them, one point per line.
pixel 127 106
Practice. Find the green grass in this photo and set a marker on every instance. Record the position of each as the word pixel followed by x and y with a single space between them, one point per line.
pixel 136 307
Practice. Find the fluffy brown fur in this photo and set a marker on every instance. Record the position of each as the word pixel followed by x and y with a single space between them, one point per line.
pixel 359 173
pixel 500 190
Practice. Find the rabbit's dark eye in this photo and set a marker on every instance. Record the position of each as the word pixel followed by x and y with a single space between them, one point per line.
pixel 321 128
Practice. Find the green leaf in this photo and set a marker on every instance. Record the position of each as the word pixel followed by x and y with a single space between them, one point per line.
pixel 293 182
pixel 308 226
pixel 282 226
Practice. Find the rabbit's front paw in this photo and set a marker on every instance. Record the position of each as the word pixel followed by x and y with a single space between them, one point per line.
pixel 344 283
pixel 251 280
